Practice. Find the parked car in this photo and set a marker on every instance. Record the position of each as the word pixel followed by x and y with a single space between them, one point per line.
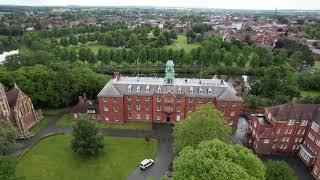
pixel 146 163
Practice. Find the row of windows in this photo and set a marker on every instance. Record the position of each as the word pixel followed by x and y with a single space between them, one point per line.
pixel 289 131
pixel 191 90
pixel 147 98
pixel 312 137
pixel 315 127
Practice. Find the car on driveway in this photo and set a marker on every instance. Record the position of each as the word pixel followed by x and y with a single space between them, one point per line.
pixel 146 163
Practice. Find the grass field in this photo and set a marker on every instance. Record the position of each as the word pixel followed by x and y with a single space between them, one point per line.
pixel 95 47
pixel 310 93
pixel 182 43
pixel 317 65
pixel 68 122
pixel 52 159
pixel 39 126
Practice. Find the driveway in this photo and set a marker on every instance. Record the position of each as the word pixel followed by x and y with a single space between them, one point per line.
pixel 164 156
pixel 241 131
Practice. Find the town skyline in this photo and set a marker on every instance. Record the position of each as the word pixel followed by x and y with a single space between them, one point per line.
pixel 210 4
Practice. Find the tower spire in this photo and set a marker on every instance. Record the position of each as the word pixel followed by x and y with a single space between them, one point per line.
pixel 169 78
pixel 16 86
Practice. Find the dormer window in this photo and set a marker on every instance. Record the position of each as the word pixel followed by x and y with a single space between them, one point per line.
pixel 191 90
pixel 179 90
pixel 148 89
pixel 209 91
pixel 138 89
pixel 200 91
pixel 159 89
pixel 129 88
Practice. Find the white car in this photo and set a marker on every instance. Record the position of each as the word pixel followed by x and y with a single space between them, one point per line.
pixel 146 163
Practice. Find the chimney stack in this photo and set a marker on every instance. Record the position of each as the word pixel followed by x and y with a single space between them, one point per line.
pixel 81 100
pixel 225 78
pixel 116 75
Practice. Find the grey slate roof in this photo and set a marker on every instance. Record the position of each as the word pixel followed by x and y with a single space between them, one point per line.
pixel 201 88
pixel 286 112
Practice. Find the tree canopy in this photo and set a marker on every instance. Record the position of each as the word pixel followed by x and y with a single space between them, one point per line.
pixel 8 136
pixel 278 170
pixel 8 168
pixel 204 124
pixel 217 160
pixel 86 140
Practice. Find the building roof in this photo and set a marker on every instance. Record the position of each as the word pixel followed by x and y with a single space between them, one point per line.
pixel 83 106
pixel 316 51
pixel 267 133
pixel 12 97
pixel 293 111
pixel 143 86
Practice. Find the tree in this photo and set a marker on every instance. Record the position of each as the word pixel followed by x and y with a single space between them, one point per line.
pixel 156 31
pixel 173 34
pixel 161 41
pixel 64 42
pixel 133 40
pixel 204 124
pixel 8 168
pixel 85 139
pixel 73 40
pixel 215 159
pixel 8 136
pixel 254 60
pixel 278 170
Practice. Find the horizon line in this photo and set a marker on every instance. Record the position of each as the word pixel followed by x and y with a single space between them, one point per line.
pixel 139 6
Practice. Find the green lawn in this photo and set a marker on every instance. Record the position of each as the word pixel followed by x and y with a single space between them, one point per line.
pixel 317 65
pixel 39 126
pixel 95 47
pixel 53 159
pixel 68 121
pixel 182 43
pixel 310 93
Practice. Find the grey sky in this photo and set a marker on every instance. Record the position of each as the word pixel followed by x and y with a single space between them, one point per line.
pixel 227 4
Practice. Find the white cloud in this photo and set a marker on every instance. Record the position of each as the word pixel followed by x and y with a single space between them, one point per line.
pixel 227 4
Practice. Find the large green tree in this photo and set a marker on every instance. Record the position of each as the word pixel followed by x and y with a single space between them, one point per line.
pixel 8 168
pixel 8 136
pixel 86 140
pixel 278 170
pixel 204 124
pixel 217 160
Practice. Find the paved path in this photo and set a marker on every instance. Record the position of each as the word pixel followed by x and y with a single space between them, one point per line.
pixel 241 131
pixel 163 159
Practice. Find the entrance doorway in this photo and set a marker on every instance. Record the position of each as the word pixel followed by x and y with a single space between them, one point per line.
pixel 168 118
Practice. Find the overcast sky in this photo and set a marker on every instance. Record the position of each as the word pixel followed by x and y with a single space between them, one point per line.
pixel 226 4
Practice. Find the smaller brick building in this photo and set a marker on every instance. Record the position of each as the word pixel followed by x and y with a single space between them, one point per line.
pixel 17 108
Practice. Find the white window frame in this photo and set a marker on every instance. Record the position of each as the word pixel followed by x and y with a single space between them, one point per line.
pixel 138 107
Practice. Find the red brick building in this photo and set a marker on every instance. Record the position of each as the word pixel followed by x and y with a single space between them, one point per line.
pixel 164 100
pixel 310 149
pixel 17 107
pixel 281 129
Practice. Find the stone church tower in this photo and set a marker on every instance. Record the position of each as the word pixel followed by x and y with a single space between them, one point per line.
pixel 4 106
